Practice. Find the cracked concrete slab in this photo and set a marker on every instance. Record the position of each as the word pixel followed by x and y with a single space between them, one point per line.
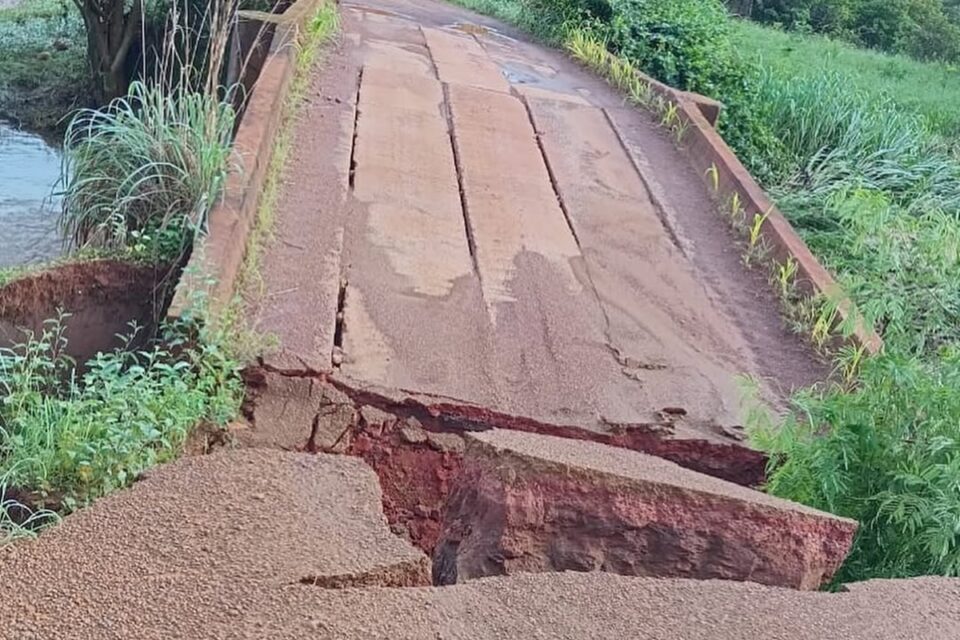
pixel 283 413
pixel 532 503
pixel 251 518
pixel 460 60
pixel 464 276
pixel 670 343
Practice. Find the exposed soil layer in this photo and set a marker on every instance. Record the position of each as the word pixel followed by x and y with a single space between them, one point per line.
pixel 538 503
pixel 287 419
pixel 101 297
pixel 415 443
pixel 416 476
pixel 666 521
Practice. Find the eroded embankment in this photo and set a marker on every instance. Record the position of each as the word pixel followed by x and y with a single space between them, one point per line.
pixel 98 299
pixel 459 485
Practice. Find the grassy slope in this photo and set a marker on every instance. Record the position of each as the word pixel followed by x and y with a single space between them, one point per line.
pixel 43 72
pixel 931 89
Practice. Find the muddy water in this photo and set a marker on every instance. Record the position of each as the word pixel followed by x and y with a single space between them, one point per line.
pixel 29 170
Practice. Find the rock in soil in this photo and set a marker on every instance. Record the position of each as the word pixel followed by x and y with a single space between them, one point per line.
pixel 531 503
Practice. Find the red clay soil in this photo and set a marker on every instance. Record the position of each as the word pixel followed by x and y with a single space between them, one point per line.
pixel 705 528
pixel 415 444
pixel 416 480
pixel 720 454
pixel 723 456
pixel 528 503
pixel 87 282
pixel 102 297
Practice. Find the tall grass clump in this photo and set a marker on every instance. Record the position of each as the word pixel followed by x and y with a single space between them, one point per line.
pixel 835 137
pixel 148 167
pixel 142 174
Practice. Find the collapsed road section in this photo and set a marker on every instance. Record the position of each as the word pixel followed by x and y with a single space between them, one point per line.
pixel 507 495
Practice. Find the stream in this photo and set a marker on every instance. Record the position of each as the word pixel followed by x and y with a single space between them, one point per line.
pixel 29 170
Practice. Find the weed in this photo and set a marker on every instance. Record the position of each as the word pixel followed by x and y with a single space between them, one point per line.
pixel 144 173
pixel 714 174
pixel 670 115
pixel 69 436
pixel 757 227
pixel 679 129
pixel 736 208
pixel 786 274
pixel 18 521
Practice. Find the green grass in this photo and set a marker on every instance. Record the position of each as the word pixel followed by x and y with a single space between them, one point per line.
pixel 144 173
pixel 43 70
pixel 140 177
pixel 69 436
pixel 927 88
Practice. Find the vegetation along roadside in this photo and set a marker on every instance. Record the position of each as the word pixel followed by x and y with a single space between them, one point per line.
pixel 143 174
pixel 858 149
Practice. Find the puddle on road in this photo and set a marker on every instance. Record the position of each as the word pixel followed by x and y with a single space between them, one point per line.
pixel 471 28
pixel 29 170
pixel 479 30
pixel 515 75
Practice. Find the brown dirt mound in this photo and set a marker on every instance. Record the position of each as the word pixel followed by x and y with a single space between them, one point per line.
pixel 102 298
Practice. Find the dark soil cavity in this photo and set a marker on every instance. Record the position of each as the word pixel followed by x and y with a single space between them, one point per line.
pixel 415 445
pixel 415 478
pixel 102 298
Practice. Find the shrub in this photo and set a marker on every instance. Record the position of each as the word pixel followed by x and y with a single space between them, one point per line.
pixel 885 453
pixel 685 43
pixel 880 24
pixel 929 33
pixel 73 436
pixel 899 268
pixel 925 29
pixel 823 16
